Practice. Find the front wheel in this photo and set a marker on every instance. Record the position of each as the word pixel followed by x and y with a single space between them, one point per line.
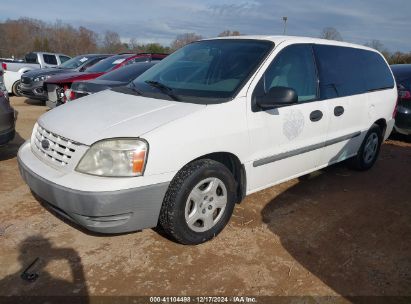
pixel 199 202
pixel 17 88
pixel 369 150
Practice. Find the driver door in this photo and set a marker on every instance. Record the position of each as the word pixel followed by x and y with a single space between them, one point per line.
pixel 287 141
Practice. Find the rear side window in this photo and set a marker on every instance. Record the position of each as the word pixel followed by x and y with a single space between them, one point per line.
pixel 127 73
pixel 90 63
pixel 50 59
pixel 348 71
pixel 31 58
pixel 137 59
pixel 108 64
pixel 406 83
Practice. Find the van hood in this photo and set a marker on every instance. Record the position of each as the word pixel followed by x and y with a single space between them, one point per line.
pixel 110 114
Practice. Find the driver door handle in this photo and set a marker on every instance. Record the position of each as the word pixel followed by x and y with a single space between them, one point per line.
pixel 316 115
pixel 338 111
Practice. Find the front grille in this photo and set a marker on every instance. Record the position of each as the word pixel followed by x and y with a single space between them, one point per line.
pixel 59 151
pixel 25 80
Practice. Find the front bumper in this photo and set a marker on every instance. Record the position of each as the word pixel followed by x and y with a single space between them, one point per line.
pixel 53 104
pixel 34 91
pixel 119 211
pixel 403 120
pixel 7 123
pixel 7 136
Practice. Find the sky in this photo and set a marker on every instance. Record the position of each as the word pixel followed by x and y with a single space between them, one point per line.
pixel 358 21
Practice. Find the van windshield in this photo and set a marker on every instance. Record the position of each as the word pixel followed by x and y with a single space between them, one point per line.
pixel 204 72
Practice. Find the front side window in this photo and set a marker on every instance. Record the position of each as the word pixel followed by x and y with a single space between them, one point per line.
pixel 205 72
pixel 294 68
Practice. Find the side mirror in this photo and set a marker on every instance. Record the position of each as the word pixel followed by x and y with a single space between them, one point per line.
pixel 277 97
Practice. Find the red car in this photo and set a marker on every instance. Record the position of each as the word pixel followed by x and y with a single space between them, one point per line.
pixel 57 85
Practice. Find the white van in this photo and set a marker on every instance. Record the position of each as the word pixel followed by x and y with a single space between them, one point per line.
pixel 213 122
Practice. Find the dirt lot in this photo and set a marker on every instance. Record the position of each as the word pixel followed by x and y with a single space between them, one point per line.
pixel 336 232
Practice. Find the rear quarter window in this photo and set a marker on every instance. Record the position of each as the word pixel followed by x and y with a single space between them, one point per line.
pixel 377 73
pixel 31 58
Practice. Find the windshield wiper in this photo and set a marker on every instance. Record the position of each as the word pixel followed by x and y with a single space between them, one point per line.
pixel 133 86
pixel 163 88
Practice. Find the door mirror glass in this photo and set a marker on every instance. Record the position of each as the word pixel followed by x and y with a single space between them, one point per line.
pixel 277 97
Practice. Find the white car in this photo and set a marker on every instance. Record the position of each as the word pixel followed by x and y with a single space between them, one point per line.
pixel 32 61
pixel 215 121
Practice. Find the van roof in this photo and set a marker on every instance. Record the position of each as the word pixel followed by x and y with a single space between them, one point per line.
pixel 296 39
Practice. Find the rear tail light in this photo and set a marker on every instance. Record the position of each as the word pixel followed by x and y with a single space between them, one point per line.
pixel 404 95
pixel 63 93
pixel 69 94
pixel 4 66
pixel 394 113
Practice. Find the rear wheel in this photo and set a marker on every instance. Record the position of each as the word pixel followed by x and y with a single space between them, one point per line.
pixel 199 202
pixel 17 88
pixel 369 150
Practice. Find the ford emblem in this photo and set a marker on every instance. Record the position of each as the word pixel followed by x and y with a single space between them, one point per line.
pixel 45 144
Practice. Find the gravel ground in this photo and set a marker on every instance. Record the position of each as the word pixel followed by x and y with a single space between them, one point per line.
pixel 333 233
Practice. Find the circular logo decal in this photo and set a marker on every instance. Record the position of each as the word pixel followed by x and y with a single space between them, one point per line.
pixel 293 124
pixel 45 144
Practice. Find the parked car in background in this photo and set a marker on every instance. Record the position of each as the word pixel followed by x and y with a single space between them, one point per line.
pixel 7 117
pixel 1 75
pixel 116 78
pixel 32 82
pixel 57 85
pixel 402 74
pixel 215 121
pixel 35 60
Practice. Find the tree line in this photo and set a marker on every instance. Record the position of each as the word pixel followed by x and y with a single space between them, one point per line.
pixel 18 37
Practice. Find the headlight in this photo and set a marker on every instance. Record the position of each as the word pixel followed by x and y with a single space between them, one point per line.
pixel 41 78
pixel 115 157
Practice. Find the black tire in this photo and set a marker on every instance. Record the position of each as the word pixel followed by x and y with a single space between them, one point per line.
pixel 16 89
pixel 360 162
pixel 172 215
